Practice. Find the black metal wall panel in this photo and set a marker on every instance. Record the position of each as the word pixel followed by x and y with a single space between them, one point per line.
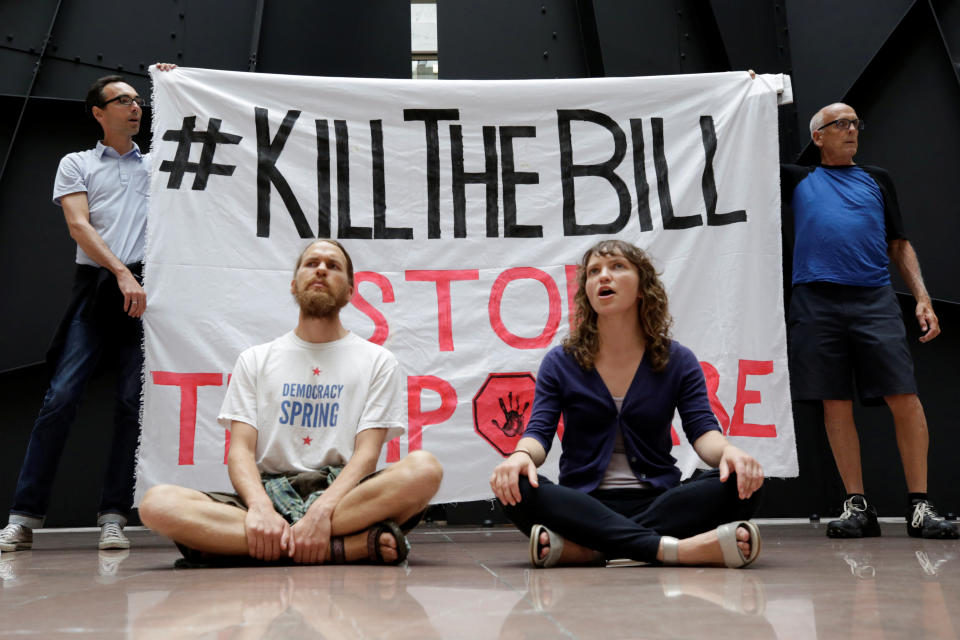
pixel 36 245
pixel 831 44
pixel 112 39
pixel 948 17
pixel 217 34
pixel 18 69
pixel 751 35
pixel 10 107
pixel 23 31
pixel 505 39
pixel 657 38
pixel 336 38
pixel 910 99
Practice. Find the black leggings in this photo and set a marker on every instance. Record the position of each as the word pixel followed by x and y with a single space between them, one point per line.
pixel 628 523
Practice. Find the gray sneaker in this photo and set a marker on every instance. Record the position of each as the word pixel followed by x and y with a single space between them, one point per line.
pixel 111 537
pixel 15 537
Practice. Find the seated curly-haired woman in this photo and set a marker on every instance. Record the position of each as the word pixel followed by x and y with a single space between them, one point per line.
pixel 617 380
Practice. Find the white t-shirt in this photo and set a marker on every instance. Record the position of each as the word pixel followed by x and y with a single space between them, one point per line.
pixel 308 401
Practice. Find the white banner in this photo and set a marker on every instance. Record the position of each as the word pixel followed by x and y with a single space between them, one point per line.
pixel 465 205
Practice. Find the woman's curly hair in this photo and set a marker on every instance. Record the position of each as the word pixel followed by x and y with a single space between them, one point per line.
pixel 653 314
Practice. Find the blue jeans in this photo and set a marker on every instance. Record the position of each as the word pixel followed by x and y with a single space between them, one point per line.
pixel 81 352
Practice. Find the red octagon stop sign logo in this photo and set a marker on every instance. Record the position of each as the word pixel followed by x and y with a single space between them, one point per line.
pixel 501 409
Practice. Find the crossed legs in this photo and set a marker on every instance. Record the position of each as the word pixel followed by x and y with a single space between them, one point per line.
pixel 630 525
pixel 398 493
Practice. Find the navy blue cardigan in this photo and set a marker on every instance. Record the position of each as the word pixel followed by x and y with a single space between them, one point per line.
pixel 590 417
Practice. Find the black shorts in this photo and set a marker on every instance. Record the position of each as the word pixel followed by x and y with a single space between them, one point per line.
pixel 839 333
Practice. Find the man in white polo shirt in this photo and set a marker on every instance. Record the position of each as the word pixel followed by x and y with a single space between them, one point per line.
pixel 103 193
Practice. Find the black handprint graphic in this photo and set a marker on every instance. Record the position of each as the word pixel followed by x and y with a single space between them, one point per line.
pixel 512 416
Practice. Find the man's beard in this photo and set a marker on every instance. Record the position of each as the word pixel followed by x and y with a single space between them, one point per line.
pixel 315 303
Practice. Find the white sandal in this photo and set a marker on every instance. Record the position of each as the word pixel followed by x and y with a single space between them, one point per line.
pixel 732 555
pixel 556 547
pixel 727 537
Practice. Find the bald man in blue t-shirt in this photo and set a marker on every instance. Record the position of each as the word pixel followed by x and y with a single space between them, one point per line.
pixel 845 322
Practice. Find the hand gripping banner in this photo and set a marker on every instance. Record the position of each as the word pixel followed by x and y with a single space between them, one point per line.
pixel 465 206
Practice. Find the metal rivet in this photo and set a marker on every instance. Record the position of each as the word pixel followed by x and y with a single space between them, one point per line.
pixel 546 54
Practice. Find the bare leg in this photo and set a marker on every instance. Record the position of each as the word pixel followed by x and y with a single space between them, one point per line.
pixel 195 520
pixel 572 553
pixel 912 438
pixel 844 442
pixel 704 548
pixel 398 494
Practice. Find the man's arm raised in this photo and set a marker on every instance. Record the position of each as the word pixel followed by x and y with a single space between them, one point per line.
pixel 76 210
pixel 312 532
pixel 268 534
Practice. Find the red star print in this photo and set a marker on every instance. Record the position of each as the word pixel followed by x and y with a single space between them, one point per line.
pixel 316 371
pixel 307 440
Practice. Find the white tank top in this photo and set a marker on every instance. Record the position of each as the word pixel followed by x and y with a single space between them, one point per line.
pixel 619 475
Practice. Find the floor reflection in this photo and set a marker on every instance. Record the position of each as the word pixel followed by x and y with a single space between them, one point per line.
pixel 672 602
pixel 478 584
pixel 329 602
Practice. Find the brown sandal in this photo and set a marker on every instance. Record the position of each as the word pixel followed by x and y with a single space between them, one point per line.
pixel 374 552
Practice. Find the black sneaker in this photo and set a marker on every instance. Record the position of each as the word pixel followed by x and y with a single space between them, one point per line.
pixel 858 520
pixel 923 521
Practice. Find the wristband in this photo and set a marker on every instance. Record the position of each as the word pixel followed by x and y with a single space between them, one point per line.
pixel 523 451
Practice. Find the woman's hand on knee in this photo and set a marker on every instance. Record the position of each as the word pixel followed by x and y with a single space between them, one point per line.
pixel 505 480
pixel 746 467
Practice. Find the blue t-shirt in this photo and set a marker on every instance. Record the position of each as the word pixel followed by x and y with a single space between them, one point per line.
pixel 844 218
pixel 591 418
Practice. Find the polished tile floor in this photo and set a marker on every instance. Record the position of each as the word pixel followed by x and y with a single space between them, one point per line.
pixel 476 583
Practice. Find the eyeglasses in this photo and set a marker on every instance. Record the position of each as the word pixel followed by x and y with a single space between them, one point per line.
pixel 843 124
pixel 125 100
